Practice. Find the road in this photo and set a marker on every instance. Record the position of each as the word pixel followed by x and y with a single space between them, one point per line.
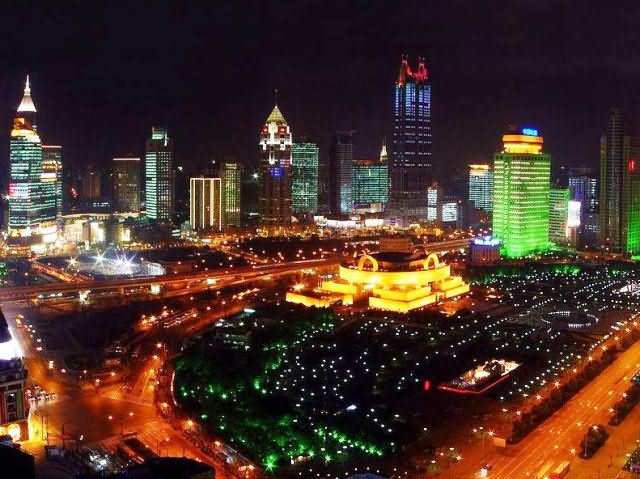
pixel 558 438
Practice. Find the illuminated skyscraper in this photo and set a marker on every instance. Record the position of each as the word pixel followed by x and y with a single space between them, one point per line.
pixel 371 183
pixel 205 205
pixel 32 191
pixel 619 188
pixel 340 171
pixel 231 175
pixel 434 197
pixel 304 178
pixel 558 215
pixel 126 184
pixel 481 186
pixel 52 168
pixel 521 178
pixel 159 174
pixel 411 150
pixel 274 196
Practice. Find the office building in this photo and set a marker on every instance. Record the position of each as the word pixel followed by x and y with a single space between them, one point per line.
pixel 32 199
pixel 370 184
pixel 274 195
pixel 231 176
pixel 481 186
pixel 14 406
pixel 205 205
pixel 521 177
pixel 159 176
pixel 126 184
pixel 434 196
pixel 91 185
pixel 411 161
pixel 340 171
pixel 558 215
pixel 619 190
pixel 583 185
pixel 52 171
pixel 304 178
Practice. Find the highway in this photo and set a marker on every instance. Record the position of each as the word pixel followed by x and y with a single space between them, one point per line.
pixel 558 438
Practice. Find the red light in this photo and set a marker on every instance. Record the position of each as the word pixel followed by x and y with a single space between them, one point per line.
pixel 631 166
pixel 427 385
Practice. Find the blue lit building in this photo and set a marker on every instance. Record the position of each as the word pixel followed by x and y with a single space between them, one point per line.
pixel 304 178
pixel 341 173
pixel 411 161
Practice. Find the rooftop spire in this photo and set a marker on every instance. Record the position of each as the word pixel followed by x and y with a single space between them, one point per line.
pixel 26 105
pixel 383 152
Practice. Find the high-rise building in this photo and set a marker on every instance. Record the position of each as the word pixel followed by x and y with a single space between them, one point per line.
pixel 619 189
pixel 275 170
pixel 411 161
pixel 32 203
pixel 521 182
pixel 481 186
pixel 231 175
pixel 181 189
pixel 91 184
pixel 434 197
pixel 52 168
pixel 370 184
pixel 159 176
pixel 126 184
pixel 558 215
pixel 304 178
pixel 340 170
pixel 205 205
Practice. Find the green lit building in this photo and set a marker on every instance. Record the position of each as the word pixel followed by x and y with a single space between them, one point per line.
pixel 370 183
pixel 230 174
pixel 521 194
pixel 558 215
pixel 159 176
pixel 32 189
pixel 304 178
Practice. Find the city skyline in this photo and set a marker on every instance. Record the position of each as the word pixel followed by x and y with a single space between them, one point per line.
pixel 477 90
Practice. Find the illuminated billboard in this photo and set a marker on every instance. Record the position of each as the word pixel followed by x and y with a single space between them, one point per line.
pixel 573 218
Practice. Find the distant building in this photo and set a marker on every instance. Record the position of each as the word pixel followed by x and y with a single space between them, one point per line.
pixel 126 184
pixel 275 171
pixel 205 205
pixel 14 407
pixel 91 184
pixel 304 178
pixel 481 186
pixel 558 215
pixel 434 197
pixel 32 191
pixel 521 194
pixel 583 185
pixel 231 176
pixel 411 161
pixel 370 185
pixel 484 251
pixel 159 175
pixel 619 187
pixel 340 171
pixel 52 170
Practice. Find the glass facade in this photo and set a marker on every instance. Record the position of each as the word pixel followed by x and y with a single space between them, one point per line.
pixel 481 186
pixel 205 205
pixel 159 176
pixel 558 215
pixel 126 185
pixel 521 196
pixel 304 178
pixel 370 184
pixel 341 172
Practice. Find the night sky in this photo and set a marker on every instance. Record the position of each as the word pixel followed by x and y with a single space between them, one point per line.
pixel 104 73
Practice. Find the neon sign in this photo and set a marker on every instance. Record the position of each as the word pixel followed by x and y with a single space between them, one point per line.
pixel 530 131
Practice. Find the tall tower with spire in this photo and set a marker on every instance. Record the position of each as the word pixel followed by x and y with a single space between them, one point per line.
pixel 411 163
pixel 274 149
pixel 32 200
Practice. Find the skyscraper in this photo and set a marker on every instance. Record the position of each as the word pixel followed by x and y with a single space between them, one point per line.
pixel 275 171
pixel 481 186
pixel 558 215
pixel 370 185
pixel 52 167
pixel 619 189
pixel 126 184
pixel 159 175
pixel 411 161
pixel 32 203
pixel 304 178
pixel 205 205
pixel 521 178
pixel 231 175
pixel 340 171
pixel 434 197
